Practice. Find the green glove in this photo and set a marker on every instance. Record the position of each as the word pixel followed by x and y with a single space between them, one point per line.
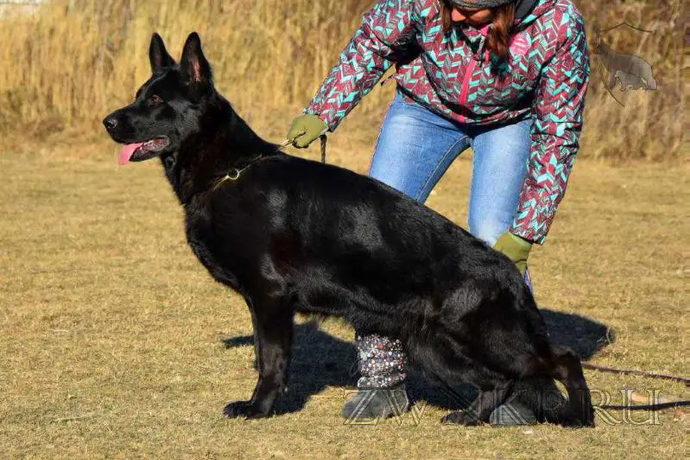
pixel 305 129
pixel 516 248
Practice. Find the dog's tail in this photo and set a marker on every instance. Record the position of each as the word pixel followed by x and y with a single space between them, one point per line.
pixel 567 369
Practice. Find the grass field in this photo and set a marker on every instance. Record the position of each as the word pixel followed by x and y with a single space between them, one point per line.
pixel 117 344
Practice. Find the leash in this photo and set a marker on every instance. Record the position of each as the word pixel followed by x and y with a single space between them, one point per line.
pixel 233 174
pixel 322 138
pixel 323 148
pixel 653 375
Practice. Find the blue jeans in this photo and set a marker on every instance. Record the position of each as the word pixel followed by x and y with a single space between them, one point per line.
pixel 414 148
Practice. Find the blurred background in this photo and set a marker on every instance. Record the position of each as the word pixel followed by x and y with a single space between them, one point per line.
pixel 67 63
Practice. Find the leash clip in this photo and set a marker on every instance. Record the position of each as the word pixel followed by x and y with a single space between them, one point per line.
pixel 233 174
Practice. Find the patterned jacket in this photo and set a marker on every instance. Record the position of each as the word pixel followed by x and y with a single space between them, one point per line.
pixel 544 78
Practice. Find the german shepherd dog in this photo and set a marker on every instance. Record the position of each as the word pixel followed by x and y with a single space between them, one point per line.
pixel 292 235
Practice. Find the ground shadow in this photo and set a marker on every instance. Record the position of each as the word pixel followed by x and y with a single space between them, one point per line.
pixel 579 333
pixel 320 360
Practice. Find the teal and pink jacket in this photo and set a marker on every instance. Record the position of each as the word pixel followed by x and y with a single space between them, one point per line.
pixel 544 78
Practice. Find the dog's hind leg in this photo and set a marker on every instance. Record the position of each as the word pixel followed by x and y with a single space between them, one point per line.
pixel 568 370
pixel 273 329
pixel 543 398
pixel 442 357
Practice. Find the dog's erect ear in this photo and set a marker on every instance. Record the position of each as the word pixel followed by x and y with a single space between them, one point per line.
pixel 158 55
pixel 195 69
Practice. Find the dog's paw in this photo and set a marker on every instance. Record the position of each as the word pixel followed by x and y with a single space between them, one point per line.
pixel 461 418
pixel 245 409
pixel 572 423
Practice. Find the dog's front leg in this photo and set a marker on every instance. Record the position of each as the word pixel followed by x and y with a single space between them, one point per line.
pixel 273 328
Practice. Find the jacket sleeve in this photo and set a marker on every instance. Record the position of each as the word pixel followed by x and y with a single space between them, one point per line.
pixel 386 30
pixel 557 113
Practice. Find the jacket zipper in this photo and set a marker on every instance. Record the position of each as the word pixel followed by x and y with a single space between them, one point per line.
pixel 465 83
pixel 470 68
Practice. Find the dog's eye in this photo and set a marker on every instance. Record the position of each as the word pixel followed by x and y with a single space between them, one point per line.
pixel 154 100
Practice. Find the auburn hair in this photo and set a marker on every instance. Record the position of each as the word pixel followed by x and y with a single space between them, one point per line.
pixel 498 36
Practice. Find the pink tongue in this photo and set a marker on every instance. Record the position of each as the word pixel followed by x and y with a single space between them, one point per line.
pixel 126 152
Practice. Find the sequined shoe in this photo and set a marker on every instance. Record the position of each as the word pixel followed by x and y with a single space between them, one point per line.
pixel 377 402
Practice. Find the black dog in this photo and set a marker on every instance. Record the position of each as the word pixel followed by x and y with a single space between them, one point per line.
pixel 292 235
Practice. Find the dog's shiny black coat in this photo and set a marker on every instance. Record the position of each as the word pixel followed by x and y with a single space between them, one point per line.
pixel 292 235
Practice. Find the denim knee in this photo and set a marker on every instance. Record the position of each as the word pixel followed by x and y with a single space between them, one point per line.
pixel 486 230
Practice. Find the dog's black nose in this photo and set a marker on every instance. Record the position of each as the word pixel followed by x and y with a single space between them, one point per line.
pixel 110 122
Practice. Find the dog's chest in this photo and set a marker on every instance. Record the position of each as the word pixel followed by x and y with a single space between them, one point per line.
pixel 211 251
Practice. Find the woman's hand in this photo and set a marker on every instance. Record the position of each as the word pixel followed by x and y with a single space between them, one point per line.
pixel 516 248
pixel 305 129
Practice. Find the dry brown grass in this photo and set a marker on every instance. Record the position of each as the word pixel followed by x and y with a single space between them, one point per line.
pixel 74 60
pixel 112 331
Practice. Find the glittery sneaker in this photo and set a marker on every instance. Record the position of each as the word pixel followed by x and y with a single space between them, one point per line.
pixel 377 402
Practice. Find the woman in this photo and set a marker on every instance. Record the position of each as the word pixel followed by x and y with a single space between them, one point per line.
pixel 504 77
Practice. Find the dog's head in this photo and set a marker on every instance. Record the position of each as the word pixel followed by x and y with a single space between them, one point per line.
pixel 168 107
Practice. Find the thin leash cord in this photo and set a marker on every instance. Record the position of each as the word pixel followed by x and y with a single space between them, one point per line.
pixel 323 139
pixel 655 406
pixel 286 143
pixel 235 173
pixel 653 375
